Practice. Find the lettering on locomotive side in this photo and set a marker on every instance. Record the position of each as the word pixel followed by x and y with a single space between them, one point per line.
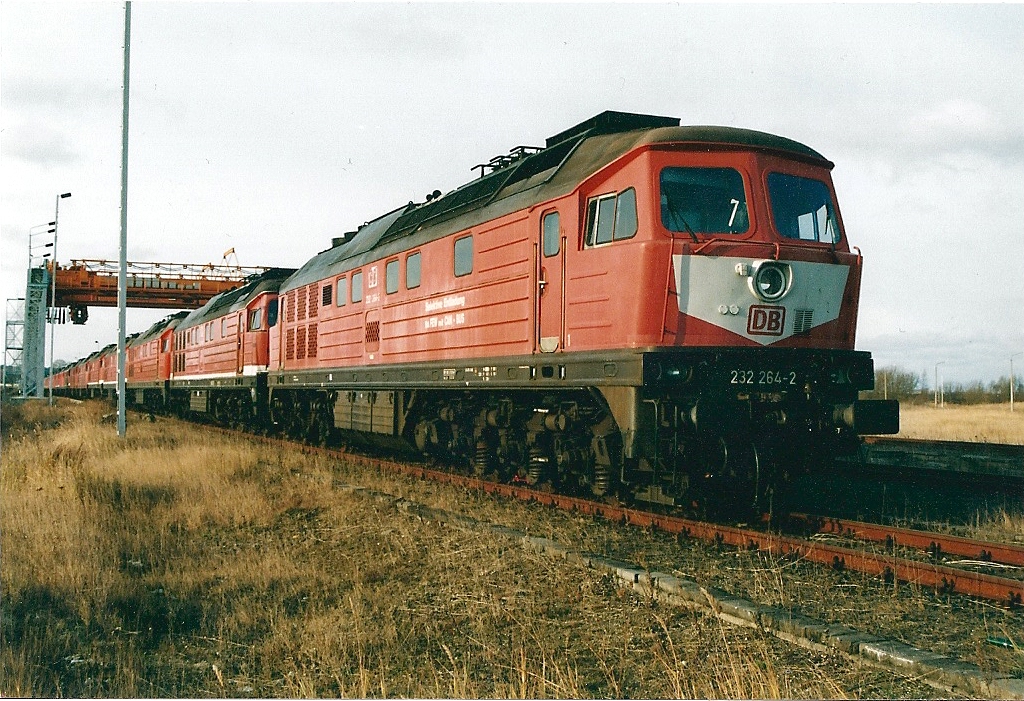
pixel 441 322
pixel 450 302
pixel 446 320
pixel 763 320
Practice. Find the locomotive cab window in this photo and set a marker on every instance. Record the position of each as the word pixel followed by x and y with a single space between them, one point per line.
pixel 703 200
pixel 463 256
pixel 357 287
pixel 256 320
pixel 272 314
pixel 611 217
pixel 391 276
pixel 802 208
pixel 551 234
pixel 412 271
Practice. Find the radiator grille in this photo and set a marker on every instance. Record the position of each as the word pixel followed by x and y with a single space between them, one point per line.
pixel 313 301
pixel 289 346
pixel 803 320
pixel 311 341
pixel 372 332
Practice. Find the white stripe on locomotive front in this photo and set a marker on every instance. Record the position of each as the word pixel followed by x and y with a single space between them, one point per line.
pixel 705 284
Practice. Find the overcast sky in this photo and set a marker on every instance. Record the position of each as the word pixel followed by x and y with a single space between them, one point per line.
pixel 269 128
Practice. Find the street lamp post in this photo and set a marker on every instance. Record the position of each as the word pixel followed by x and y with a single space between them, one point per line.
pixel 1013 380
pixel 53 284
pixel 943 362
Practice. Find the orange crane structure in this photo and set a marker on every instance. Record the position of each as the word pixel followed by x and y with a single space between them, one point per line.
pixel 93 283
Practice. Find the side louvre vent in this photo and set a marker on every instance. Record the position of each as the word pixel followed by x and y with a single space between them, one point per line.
pixel 372 333
pixel 311 341
pixel 803 320
pixel 289 346
pixel 313 300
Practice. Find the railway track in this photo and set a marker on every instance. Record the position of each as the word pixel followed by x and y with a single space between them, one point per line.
pixel 936 545
pixel 989 460
pixel 888 565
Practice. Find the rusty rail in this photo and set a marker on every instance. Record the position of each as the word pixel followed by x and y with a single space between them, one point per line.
pixel 943 579
pixel 934 543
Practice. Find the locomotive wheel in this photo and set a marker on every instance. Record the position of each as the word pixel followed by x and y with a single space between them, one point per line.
pixel 734 481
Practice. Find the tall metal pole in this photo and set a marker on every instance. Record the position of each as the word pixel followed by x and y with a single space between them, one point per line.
pixel 53 284
pixel 122 274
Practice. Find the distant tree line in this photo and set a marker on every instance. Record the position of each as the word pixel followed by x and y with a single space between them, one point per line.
pixel 895 382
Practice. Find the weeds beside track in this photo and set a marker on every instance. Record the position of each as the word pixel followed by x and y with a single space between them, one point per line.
pixel 178 563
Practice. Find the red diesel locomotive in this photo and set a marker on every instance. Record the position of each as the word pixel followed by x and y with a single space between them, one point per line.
pixel 663 312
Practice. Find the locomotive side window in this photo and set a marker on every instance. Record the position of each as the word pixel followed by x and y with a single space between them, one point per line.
pixel 342 291
pixel 706 200
pixel 463 256
pixel 611 218
pixel 391 276
pixel 256 320
pixel 802 208
pixel 551 232
pixel 625 215
pixel 357 287
pixel 224 327
pixel 412 271
pixel 600 220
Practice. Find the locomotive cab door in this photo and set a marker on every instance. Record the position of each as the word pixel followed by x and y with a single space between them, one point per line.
pixel 240 346
pixel 550 284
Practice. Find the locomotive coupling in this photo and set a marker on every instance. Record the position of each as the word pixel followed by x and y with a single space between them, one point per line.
pixel 869 416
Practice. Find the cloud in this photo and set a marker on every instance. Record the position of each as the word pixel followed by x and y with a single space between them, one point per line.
pixel 961 357
pixel 38 144
pixel 60 97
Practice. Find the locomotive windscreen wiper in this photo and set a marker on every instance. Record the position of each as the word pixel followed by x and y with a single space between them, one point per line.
pixel 677 216
pixel 689 230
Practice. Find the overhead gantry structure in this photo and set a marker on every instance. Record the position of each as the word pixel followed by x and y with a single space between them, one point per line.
pixel 59 294
pixel 93 283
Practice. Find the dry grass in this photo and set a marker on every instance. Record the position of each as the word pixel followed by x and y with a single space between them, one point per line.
pixel 981 423
pixel 181 563
pixel 985 423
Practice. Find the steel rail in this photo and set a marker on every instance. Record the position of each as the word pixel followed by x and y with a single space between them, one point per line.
pixel 935 544
pixel 946 580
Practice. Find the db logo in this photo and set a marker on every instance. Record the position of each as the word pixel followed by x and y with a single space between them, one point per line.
pixel 766 321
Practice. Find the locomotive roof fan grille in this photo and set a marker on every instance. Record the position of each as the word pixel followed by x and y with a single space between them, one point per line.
pixel 770 280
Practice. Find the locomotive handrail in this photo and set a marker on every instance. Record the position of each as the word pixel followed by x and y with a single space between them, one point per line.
pixel 716 239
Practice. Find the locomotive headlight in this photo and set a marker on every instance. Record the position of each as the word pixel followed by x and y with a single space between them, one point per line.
pixel 770 280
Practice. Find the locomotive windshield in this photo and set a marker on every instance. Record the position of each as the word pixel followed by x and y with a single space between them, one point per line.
pixel 803 208
pixel 708 200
